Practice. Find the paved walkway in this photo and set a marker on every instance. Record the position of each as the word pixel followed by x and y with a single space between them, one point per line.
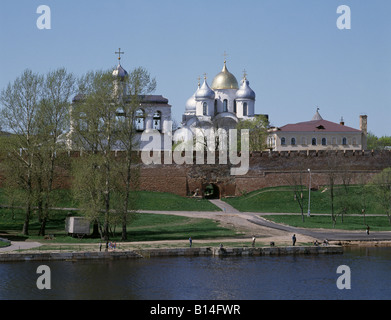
pixel 225 207
pixel 20 245
pixel 321 234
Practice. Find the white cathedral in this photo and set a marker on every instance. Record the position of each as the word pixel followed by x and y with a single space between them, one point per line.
pixel 219 106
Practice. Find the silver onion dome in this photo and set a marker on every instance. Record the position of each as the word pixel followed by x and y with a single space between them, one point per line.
pixel 245 92
pixel 204 92
pixel 120 72
pixel 191 104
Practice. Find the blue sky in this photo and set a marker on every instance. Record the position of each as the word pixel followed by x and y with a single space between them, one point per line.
pixel 295 56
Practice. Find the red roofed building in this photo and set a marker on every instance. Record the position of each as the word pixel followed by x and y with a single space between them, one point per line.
pixel 318 134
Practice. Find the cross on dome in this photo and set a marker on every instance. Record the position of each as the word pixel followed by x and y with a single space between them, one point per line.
pixel 119 53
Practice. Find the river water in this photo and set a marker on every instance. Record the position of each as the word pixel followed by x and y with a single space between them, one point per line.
pixel 206 278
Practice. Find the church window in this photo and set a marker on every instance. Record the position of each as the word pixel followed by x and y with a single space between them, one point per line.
pixel 314 141
pixel 157 119
pixel 215 106
pixel 324 141
pixel 245 109
pixel 344 141
pixel 225 105
pixel 235 106
pixel 283 141
pixel 205 108
pixel 140 120
pixel 293 141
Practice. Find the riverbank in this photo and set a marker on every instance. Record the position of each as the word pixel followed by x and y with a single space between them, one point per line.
pixel 170 252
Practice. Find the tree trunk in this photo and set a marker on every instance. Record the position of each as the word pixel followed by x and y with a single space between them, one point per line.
pixel 42 229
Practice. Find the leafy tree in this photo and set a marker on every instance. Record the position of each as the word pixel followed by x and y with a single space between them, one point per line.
pixel 95 134
pixel 382 187
pixel 257 127
pixel 104 118
pixel 375 143
pixel 35 110
pixel 53 121
pixel 19 115
pixel 139 83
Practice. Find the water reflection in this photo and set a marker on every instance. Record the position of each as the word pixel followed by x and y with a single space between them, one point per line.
pixel 209 278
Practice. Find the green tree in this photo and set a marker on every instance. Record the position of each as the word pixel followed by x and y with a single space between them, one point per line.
pixel 52 121
pixel 20 103
pixel 257 127
pixel 376 143
pixel 382 188
pixel 138 84
pixel 96 134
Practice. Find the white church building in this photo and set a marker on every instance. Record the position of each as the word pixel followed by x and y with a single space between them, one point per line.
pixel 219 106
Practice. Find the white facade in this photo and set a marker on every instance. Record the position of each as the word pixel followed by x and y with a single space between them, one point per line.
pixel 221 105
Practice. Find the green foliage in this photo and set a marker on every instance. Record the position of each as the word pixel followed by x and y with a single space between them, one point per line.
pixel 257 127
pixel 376 143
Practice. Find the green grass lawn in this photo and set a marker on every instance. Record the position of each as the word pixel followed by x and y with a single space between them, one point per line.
pixel 146 200
pixel 144 227
pixel 160 201
pixel 281 200
pixel 3 244
pixel 353 223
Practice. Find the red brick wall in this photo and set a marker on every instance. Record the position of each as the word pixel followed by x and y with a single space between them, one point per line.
pixel 266 169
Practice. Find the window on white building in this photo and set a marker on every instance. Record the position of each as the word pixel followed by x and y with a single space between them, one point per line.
pixel 140 120
pixel 324 141
pixel 293 141
pixel 283 142
pixel 245 109
pixel 344 141
pixel 205 109
pixel 314 141
pixel 225 105
pixel 157 120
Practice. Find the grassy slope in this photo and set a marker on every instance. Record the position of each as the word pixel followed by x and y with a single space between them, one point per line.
pixel 281 200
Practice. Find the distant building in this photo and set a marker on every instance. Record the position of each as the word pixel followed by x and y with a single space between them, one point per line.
pixel 318 134
pixel 221 106
pixel 153 117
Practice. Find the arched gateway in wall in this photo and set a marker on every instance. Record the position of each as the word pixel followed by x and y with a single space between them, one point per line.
pixel 211 191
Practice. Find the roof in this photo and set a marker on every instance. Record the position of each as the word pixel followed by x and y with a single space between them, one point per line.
pixel 143 99
pixel 317 126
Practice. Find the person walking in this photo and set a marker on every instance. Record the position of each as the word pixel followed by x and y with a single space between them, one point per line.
pixel 190 242
pixel 294 239
pixel 253 244
pixel 367 229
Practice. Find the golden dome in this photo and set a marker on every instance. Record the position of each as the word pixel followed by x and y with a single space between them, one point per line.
pixel 225 80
